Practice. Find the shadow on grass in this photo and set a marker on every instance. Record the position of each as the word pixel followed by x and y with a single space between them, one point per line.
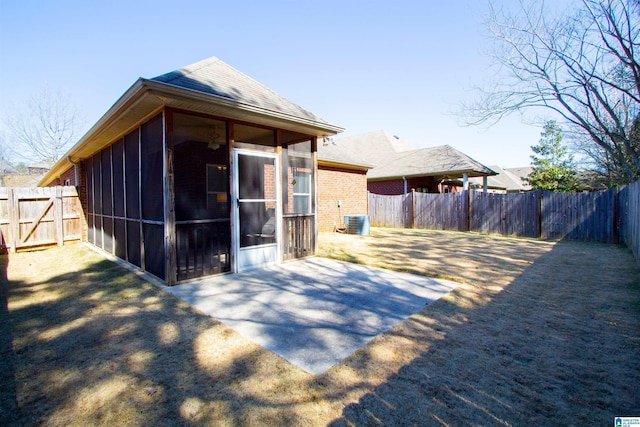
pixel 93 344
pixel 8 399
pixel 557 346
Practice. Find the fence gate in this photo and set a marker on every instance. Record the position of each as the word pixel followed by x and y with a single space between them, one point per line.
pixel 32 217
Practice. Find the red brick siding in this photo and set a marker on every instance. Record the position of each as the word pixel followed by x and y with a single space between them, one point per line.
pixel 340 184
pixel 395 187
pixel 391 187
pixel 69 175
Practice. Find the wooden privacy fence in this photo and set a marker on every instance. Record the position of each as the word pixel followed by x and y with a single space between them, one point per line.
pixel 605 216
pixel 629 205
pixel 32 217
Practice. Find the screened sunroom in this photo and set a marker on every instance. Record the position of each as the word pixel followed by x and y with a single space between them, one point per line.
pixel 201 176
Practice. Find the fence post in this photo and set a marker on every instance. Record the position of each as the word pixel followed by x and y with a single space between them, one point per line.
pixel 14 219
pixel 58 212
pixel 616 216
pixel 539 213
pixel 468 219
pixel 413 208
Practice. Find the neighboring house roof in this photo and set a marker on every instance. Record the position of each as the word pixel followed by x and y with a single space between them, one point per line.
pixel 521 172
pixel 503 180
pixel 435 161
pixel 390 157
pixel 330 155
pixel 371 148
pixel 21 180
pixel 42 165
pixel 210 87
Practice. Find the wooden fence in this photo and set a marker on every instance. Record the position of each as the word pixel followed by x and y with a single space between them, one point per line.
pixel 610 216
pixel 391 211
pixel 629 212
pixel 31 217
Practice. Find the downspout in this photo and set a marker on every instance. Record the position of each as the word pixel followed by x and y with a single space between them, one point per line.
pixel 404 178
pixel 76 171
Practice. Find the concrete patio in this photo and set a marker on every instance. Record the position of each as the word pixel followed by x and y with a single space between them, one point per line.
pixel 313 312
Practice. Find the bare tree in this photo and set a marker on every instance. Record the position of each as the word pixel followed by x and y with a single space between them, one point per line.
pixel 45 129
pixel 583 65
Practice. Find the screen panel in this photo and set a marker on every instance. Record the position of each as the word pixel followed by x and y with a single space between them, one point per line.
pixel 154 256
pixel 133 243
pixel 97 230
pixel 119 234
pixel 152 170
pixel 117 155
pixel 132 168
pixel 90 232
pixel 97 183
pixel 107 234
pixel 107 202
pixel 89 171
pixel 201 167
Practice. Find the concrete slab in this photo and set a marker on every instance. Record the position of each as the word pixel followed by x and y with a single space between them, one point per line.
pixel 313 312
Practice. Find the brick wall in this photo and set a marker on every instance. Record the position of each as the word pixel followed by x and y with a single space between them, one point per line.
pixel 340 184
pixel 395 187
pixel 391 187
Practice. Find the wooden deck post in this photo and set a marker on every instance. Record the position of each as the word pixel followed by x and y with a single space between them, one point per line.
pixel 171 270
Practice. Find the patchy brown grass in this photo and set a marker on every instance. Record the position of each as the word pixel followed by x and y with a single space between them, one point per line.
pixel 538 333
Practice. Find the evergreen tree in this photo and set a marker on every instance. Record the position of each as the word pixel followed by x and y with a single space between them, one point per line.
pixel 552 164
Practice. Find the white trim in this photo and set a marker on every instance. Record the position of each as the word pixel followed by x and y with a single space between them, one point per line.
pixel 260 255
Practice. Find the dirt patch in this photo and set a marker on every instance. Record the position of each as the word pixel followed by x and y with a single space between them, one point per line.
pixel 538 333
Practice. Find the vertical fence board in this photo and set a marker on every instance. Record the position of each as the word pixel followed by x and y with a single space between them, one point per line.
pixel 604 216
pixel 629 217
pixel 440 211
pixel 39 216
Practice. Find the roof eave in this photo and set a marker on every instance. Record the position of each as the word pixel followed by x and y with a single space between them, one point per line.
pixel 472 173
pixel 343 165
pixel 123 103
pixel 179 93
pixel 158 95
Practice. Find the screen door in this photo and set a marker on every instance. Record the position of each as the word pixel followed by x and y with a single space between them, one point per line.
pixel 256 209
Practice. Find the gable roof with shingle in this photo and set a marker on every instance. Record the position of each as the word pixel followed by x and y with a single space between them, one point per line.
pixel 391 157
pixel 215 77
pixel 521 173
pixel 503 180
pixel 435 161
pixel 210 87
pixel 372 148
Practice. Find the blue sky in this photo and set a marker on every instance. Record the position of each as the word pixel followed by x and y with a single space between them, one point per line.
pixel 403 66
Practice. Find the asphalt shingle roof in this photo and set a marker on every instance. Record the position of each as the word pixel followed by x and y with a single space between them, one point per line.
pixel 215 77
pixel 372 148
pixel 391 157
pixel 505 179
pixel 441 160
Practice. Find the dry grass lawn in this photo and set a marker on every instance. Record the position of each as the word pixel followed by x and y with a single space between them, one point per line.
pixel 539 333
